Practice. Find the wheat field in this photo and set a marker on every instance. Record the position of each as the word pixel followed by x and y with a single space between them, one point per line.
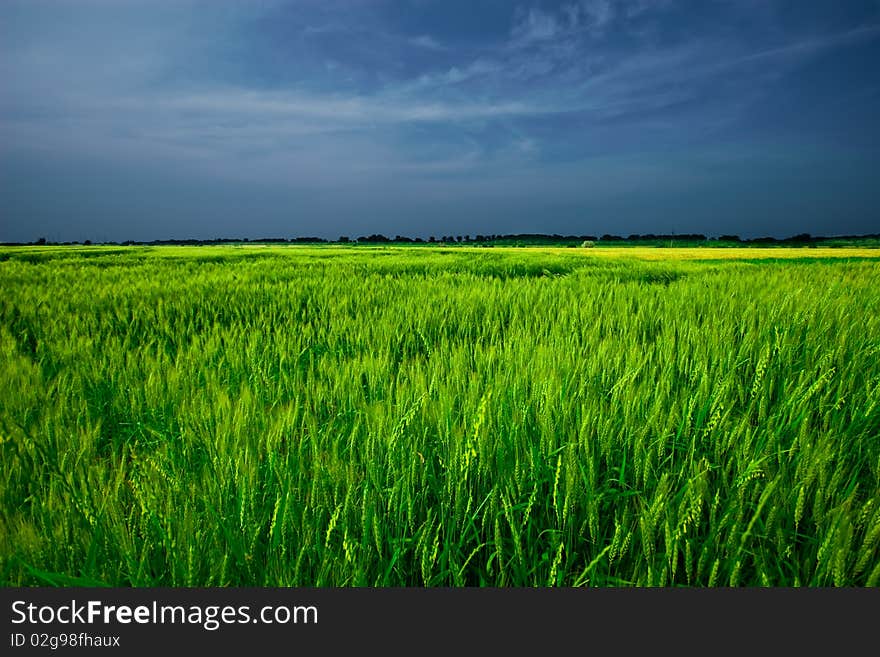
pixel 353 416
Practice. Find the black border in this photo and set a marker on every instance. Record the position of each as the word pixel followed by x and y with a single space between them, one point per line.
pixel 488 621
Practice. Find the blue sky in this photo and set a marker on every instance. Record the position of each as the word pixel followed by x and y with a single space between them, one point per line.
pixel 155 119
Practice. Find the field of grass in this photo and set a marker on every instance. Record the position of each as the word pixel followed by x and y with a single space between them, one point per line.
pixel 332 416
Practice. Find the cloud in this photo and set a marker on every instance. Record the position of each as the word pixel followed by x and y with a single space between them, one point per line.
pixel 534 25
pixel 809 45
pixel 583 17
pixel 635 8
pixel 557 86
pixel 453 75
pixel 596 14
pixel 549 106
pixel 590 18
pixel 427 42
pixel 330 109
pixel 271 136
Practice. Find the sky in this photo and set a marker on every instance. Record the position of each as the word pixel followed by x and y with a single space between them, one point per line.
pixel 161 119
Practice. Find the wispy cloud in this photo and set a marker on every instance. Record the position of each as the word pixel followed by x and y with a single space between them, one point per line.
pixel 634 8
pixel 341 110
pixel 426 41
pixel 457 74
pixel 559 84
pixel 809 45
pixel 578 18
pixel 593 15
pixel 535 25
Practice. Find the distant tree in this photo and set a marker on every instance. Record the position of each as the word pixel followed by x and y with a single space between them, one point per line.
pixel 88 243
pixel 729 238
pixel 432 239
pixel 344 239
pixel 41 241
pixel 375 237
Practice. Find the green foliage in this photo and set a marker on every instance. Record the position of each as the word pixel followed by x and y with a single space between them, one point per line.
pixel 342 416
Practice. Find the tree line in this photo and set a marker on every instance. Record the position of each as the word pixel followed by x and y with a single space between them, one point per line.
pixel 516 239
